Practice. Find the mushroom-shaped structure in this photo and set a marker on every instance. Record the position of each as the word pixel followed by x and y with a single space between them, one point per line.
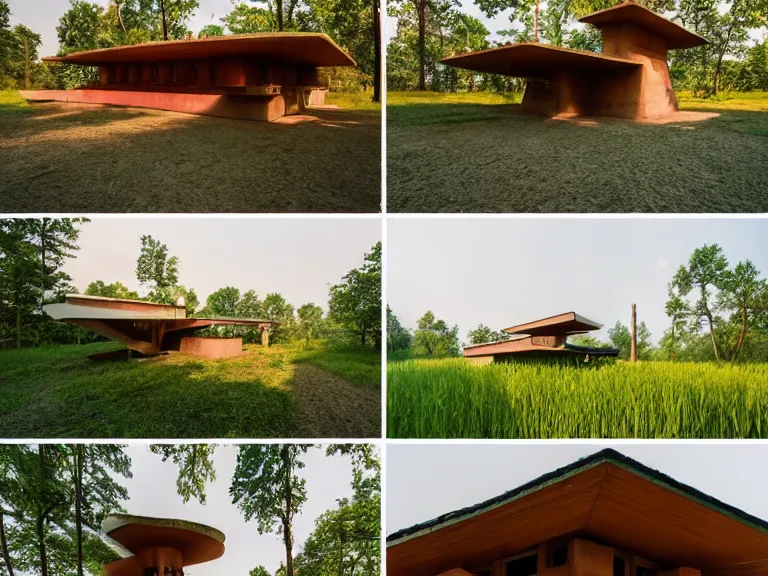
pixel 160 546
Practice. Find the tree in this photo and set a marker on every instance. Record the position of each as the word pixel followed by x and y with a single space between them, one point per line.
pixel 705 273
pixel 6 39
pixel 56 239
pixel 267 489
pixel 211 31
pixel 224 302
pixel 746 294
pixel 277 309
pixel 195 465
pixel 154 266
pixel 24 52
pixel 259 571
pixel 435 338
pixel 622 339
pixel 249 306
pixel 483 334
pixel 398 336
pixel 20 278
pixel 114 290
pixel 310 322
pixel 355 303
pixel 245 19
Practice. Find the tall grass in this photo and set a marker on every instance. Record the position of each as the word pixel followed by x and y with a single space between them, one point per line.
pixel 455 399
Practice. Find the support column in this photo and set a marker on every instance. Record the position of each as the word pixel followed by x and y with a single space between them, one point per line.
pixel 265 336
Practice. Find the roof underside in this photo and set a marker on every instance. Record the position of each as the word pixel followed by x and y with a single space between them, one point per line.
pixel 295 47
pixel 197 542
pixel 533 60
pixel 562 324
pixel 526 346
pixel 675 36
pixel 607 498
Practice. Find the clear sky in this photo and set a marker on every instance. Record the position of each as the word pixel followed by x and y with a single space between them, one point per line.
pixel 152 492
pixel 299 258
pixel 502 272
pixel 424 481
pixel 42 16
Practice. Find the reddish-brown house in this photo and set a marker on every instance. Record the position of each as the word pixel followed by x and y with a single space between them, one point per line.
pixel 160 546
pixel 251 76
pixel 547 337
pixel 151 329
pixel 629 79
pixel 604 515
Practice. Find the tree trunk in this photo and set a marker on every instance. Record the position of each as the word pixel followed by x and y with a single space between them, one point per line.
pixel 363 330
pixel 43 224
pixel 279 4
pixel 18 325
pixel 4 545
pixel 165 23
pixel 421 6
pixel 536 22
pixel 633 335
pixel 376 51
pixel 719 65
pixel 41 517
pixel 27 82
pixel 743 332
pixel 287 521
pixel 120 15
pixel 712 334
pixel 79 465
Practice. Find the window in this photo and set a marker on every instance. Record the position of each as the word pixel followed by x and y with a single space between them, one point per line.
pixel 525 566
pixel 619 566
pixel 557 555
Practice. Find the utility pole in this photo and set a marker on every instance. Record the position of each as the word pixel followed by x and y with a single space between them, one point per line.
pixel 633 334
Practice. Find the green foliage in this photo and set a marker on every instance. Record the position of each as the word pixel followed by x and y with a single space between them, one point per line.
pixel 114 290
pixel 454 399
pixel 195 465
pixel 483 334
pixel 310 323
pixel 355 303
pixel 622 339
pixel 434 338
pixel 211 31
pixel 259 571
pixel 398 336
pixel 154 267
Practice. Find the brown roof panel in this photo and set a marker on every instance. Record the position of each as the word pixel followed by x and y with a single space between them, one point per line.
pixel 674 35
pixel 534 60
pixel 562 324
pixel 296 47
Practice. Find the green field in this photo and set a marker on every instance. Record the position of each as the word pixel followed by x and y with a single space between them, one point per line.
pixel 277 392
pixel 474 152
pixel 452 398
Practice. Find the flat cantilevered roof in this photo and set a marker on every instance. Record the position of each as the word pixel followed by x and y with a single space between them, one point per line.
pixel 534 60
pixel 196 542
pixel 561 324
pixel 296 47
pixel 605 497
pixel 675 36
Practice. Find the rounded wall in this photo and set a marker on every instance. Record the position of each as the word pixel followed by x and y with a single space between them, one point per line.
pixel 211 347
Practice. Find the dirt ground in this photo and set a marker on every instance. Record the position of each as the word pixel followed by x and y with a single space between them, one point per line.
pixel 60 157
pixel 491 158
pixel 330 406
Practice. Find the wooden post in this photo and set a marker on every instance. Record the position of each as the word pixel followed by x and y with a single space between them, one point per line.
pixel 633 334
pixel 265 336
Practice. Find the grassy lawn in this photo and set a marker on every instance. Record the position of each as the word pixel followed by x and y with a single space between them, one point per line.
pixel 453 398
pixel 61 157
pixel 276 392
pixel 476 153
pixel 352 101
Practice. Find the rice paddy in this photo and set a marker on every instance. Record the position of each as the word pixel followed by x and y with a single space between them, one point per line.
pixel 452 398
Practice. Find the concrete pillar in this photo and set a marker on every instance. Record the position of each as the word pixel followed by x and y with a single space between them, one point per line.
pixel 265 336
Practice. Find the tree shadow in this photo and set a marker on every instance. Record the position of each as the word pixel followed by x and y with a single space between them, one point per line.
pixel 129 160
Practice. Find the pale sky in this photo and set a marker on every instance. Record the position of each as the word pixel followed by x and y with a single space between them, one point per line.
pixel 152 492
pixel 424 481
pixel 502 272
pixel 298 257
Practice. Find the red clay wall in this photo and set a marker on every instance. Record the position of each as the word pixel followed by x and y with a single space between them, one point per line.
pixel 212 347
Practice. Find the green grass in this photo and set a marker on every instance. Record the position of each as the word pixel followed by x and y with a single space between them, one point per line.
pixel 57 392
pixel 359 367
pixel 11 102
pixel 476 153
pixel 455 399
pixel 352 100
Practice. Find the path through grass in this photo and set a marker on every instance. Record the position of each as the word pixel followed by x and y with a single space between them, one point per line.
pixel 266 393
pixel 476 153
pixel 455 399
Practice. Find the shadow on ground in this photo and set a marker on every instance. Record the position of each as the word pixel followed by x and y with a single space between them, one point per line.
pixel 87 158
pixel 486 158
pixel 58 393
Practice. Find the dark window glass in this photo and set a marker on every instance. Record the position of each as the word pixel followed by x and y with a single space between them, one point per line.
pixel 557 556
pixel 525 566
pixel 619 566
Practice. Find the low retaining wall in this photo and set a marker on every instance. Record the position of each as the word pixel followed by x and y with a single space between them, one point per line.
pixel 211 347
